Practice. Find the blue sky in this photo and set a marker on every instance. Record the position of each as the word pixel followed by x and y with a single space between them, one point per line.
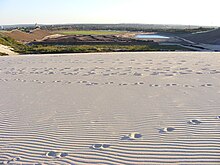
pixel 188 12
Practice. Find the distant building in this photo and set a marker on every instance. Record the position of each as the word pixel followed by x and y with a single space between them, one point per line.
pixel 37 26
pixel 1 27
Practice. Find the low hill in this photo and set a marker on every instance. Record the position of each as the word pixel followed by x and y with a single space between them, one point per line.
pixel 24 37
pixel 11 43
pixel 91 40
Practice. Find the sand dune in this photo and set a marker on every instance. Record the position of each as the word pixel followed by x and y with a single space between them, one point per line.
pixel 34 35
pixel 116 108
pixel 7 50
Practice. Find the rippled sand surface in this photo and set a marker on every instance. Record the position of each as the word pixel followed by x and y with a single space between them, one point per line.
pixel 117 108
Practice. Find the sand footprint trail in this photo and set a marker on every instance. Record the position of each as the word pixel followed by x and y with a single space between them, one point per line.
pixel 117 108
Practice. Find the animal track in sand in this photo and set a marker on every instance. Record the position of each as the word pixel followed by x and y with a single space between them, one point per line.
pixel 11 161
pixel 50 73
pixel 139 83
pixel 206 85
pixel 138 74
pixel 188 86
pixel 41 82
pixel 91 83
pixel 123 84
pixel 106 74
pixel 57 81
pixel 169 74
pixel 82 82
pixel 155 73
pixel 67 82
pixel 154 85
pixel 194 122
pixel 52 154
pixel 100 146
pixel 170 85
pixel 132 136
pixel 123 74
pixel 199 73
pixel 108 83
pixel 184 73
pixel 167 129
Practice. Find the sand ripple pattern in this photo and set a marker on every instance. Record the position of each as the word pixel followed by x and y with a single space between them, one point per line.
pixel 117 108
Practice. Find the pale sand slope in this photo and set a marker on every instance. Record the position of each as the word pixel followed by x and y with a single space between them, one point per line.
pixel 6 49
pixel 67 103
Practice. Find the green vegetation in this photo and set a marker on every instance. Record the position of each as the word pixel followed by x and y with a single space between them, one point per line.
pixel 18 47
pixel 3 54
pixel 89 48
pixel 38 49
pixel 171 48
pixel 127 27
pixel 89 32
pixel 45 49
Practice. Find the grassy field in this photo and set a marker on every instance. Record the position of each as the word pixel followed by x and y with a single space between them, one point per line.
pixel 88 32
pixel 89 48
pixel 38 49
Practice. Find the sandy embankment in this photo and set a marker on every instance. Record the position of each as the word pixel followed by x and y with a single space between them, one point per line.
pixel 7 50
pixel 24 37
pixel 86 108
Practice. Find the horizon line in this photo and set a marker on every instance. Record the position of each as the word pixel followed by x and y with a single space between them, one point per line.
pixel 20 24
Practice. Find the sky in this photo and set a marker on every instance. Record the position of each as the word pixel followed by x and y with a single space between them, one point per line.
pixel 184 12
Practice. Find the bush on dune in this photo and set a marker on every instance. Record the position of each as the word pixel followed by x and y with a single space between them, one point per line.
pixel 18 47
pixel 3 54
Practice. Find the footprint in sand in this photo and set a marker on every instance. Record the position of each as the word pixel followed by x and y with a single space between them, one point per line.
pixel 114 73
pixel 122 84
pixel 91 83
pixel 167 129
pixel 171 84
pixel 138 74
pixel 41 82
pixel 6 162
pixel 16 159
pixel 194 122
pixel 106 74
pixel 67 82
pixel 132 136
pixel 52 154
pixel 82 82
pixel 99 146
pixel 183 73
pixel 199 73
pixel 206 85
pixel 155 73
pixel 169 74
pixel 108 83
pixel 122 74
pixel 51 73
pixel 154 85
pixel 34 80
pixel 188 86
pixel 139 83
pixel 11 161
pixel 57 81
